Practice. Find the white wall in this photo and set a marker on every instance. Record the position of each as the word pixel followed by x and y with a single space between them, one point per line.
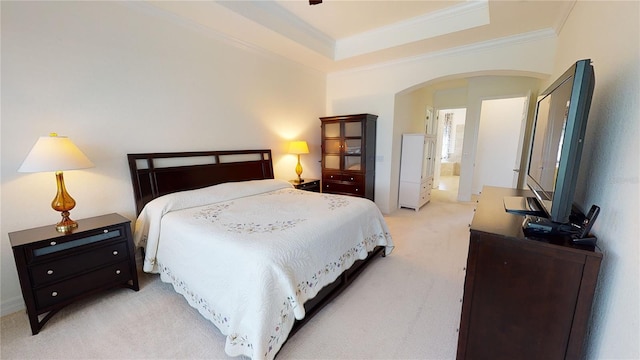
pixel 119 78
pixel 609 169
pixel 483 88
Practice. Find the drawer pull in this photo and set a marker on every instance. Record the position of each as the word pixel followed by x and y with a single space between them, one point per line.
pixel 115 252
pixel 49 272
pixel 55 293
pixel 351 179
pixel 105 231
pixel 53 243
pixel 117 272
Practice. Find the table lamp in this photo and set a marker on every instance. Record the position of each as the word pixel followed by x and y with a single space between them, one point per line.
pixel 299 147
pixel 57 153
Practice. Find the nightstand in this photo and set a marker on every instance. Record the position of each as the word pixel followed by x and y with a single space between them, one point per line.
pixel 307 184
pixel 56 269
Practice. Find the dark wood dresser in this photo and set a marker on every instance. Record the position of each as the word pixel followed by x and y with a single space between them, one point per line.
pixel 56 269
pixel 524 298
pixel 349 155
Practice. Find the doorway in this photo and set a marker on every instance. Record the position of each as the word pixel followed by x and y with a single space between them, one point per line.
pixel 500 134
pixel 451 124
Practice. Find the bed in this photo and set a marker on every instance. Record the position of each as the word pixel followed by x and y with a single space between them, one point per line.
pixel 251 253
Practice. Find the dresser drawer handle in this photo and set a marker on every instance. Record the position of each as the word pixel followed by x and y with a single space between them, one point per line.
pixel 49 272
pixel 351 179
pixel 105 231
pixel 117 272
pixel 55 293
pixel 115 252
pixel 52 243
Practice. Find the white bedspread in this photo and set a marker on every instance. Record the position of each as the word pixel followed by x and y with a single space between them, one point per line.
pixel 248 255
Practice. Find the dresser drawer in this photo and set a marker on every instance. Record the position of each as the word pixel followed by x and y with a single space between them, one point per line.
pixel 65 290
pixel 342 188
pixel 345 178
pixel 353 179
pixel 328 177
pixel 47 272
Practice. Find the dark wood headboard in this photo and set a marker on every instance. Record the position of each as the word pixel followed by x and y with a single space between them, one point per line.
pixel 157 174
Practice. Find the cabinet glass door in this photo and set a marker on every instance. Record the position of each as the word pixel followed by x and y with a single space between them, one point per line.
pixel 353 129
pixel 332 146
pixel 353 146
pixel 332 130
pixel 353 154
pixel 332 162
pixel 352 163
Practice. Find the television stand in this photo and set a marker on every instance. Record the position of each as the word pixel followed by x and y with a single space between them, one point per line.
pixel 520 288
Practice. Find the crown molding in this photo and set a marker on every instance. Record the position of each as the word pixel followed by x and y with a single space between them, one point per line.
pixel 456 18
pixel 276 18
pixel 537 35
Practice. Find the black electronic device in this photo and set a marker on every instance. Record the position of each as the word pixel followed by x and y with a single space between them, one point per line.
pixel 584 238
pixel 538 225
pixel 589 220
pixel 559 129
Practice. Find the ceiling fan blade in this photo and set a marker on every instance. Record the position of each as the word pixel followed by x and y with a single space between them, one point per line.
pixel 315 2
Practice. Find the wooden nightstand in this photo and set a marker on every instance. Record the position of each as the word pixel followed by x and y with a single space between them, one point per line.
pixel 56 269
pixel 307 184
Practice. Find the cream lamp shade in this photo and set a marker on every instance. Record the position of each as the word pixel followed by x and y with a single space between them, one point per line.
pixel 57 153
pixel 54 153
pixel 299 147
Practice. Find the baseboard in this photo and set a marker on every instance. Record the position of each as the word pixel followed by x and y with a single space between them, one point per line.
pixel 12 305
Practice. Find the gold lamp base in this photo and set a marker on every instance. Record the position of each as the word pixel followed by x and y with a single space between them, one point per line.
pixel 299 170
pixel 63 202
pixel 66 224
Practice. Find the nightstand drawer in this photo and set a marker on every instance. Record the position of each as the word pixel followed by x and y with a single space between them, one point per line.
pixel 58 269
pixel 50 248
pixel 65 290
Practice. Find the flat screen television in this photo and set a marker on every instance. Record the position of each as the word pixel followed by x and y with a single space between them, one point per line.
pixel 559 128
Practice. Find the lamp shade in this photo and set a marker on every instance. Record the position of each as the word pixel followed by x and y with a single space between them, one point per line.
pixel 298 147
pixel 54 153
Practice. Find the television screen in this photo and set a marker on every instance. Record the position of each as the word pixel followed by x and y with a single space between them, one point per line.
pixel 558 137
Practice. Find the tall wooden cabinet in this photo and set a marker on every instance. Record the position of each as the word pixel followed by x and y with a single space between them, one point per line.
pixel 416 171
pixel 524 298
pixel 349 154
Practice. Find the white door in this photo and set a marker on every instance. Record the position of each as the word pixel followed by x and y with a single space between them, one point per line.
pixel 499 143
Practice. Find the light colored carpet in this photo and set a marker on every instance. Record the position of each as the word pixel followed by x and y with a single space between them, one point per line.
pixel 404 306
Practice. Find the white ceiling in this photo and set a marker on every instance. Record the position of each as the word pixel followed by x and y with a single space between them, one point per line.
pixel 342 34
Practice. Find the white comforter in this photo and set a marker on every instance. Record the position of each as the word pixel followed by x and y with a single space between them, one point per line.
pixel 248 255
